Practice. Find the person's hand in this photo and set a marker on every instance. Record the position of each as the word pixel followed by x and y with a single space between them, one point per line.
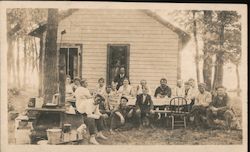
pixel 122 120
pixel 130 113
pixel 214 109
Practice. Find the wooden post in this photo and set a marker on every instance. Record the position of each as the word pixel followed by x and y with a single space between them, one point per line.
pixel 62 78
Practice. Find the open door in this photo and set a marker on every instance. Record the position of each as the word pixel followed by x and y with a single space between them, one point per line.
pixel 72 56
pixel 117 57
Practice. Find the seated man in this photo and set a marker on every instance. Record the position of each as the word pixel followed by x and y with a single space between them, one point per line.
pixel 104 107
pixel 220 108
pixel 87 106
pixel 179 90
pixel 193 91
pixel 120 78
pixel 125 89
pixel 121 114
pixel 142 85
pixel 144 108
pixel 202 100
pixel 101 88
pixel 111 96
pixel 163 90
pixel 112 90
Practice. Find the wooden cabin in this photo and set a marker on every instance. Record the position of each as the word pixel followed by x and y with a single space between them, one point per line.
pixel 99 41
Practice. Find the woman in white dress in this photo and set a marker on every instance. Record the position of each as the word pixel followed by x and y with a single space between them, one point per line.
pixel 125 89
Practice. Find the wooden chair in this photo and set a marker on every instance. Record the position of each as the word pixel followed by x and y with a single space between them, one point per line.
pixel 178 110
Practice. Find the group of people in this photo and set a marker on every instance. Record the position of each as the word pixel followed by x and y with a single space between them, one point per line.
pixel 96 106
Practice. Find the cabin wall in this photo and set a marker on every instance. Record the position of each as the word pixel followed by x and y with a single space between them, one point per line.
pixel 153 47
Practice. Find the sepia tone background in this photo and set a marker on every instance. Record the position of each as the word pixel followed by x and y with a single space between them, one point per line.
pixel 186 70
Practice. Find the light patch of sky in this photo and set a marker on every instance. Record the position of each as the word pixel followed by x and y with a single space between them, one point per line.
pixel 188 58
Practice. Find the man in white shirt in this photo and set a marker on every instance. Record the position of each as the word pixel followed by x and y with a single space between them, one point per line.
pixel 179 90
pixel 199 109
pixel 193 90
pixel 89 107
pixel 143 84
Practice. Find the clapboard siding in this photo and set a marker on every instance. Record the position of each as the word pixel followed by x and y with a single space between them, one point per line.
pixel 153 47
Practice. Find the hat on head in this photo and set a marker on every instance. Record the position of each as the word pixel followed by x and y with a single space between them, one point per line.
pixel 123 97
pixel 220 86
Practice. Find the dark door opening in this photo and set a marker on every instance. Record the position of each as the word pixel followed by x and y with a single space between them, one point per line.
pixel 117 57
pixel 71 60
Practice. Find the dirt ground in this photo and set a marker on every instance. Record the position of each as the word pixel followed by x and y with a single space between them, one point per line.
pixel 148 136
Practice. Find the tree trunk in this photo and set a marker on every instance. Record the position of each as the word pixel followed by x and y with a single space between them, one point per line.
pixel 36 54
pixel 218 77
pixel 18 63
pixel 25 62
pixel 218 74
pixel 50 64
pixel 41 66
pixel 10 61
pixel 196 47
pixel 238 79
pixel 33 54
pixel 207 60
pixel 62 78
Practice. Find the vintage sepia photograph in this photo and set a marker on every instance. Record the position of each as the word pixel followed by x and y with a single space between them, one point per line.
pixel 119 76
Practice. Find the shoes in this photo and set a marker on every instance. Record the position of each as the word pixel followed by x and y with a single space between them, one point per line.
pixel 93 141
pixel 100 135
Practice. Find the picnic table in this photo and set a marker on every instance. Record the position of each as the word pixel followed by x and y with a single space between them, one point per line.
pixel 161 105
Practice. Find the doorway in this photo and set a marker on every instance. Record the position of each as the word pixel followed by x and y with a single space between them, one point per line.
pixel 117 57
pixel 73 61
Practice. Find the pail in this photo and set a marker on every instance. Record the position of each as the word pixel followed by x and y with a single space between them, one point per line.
pixel 54 136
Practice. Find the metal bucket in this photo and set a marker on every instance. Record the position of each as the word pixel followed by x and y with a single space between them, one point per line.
pixel 54 136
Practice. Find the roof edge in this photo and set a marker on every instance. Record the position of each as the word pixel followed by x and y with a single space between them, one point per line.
pixel 184 36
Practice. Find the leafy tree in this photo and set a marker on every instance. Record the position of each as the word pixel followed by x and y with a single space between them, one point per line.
pixel 226 42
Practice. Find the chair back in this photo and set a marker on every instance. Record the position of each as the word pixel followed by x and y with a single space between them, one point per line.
pixel 178 105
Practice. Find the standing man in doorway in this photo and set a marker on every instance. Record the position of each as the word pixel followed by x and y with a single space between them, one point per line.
pixel 120 78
